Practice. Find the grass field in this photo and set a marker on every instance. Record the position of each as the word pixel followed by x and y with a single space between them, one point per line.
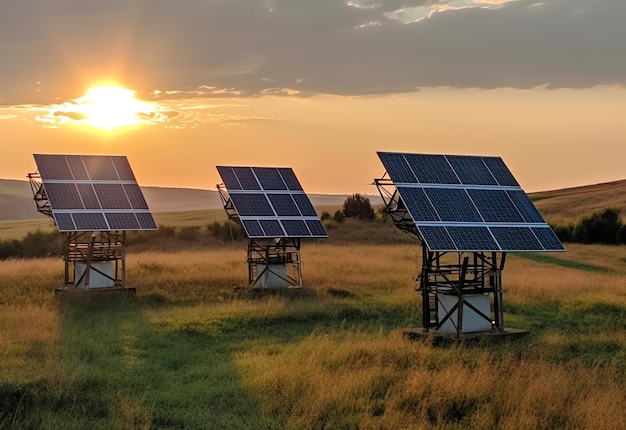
pixel 190 351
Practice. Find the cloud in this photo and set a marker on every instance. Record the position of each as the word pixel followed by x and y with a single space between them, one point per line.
pixel 53 51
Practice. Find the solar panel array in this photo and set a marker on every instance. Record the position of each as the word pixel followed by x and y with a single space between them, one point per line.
pixel 468 203
pixel 270 202
pixel 93 193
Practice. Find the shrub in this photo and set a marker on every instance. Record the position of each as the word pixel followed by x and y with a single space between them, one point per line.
pixel 602 227
pixel 358 206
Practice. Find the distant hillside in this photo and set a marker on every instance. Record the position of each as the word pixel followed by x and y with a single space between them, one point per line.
pixel 574 203
pixel 16 200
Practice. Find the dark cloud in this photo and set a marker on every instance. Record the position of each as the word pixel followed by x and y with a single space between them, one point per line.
pixel 50 51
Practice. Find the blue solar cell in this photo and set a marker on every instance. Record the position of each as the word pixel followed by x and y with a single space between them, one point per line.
pixel 304 204
pixel 500 172
pixel 269 178
pixel 123 169
pixel 516 239
pixel 78 168
pixel 295 228
pixel 246 178
pixel 431 169
pixel 290 178
pixel 495 206
pixel 418 204
pixel 146 221
pixel 89 221
pixel 471 170
pixel 248 204
pixel 283 205
pixel 548 239
pixel 271 228
pixel 88 196
pixel 253 228
pixel 64 222
pixel 437 238
pixel 100 168
pixel 122 221
pixel 111 196
pixel 316 228
pixel 472 238
pixel 63 196
pixel 453 205
pixel 135 196
pixel 52 166
pixel 397 167
pixel 228 177
pixel 525 206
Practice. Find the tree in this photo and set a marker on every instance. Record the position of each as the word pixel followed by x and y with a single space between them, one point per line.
pixel 358 206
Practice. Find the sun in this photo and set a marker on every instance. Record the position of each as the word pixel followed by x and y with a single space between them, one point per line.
pixel 110 107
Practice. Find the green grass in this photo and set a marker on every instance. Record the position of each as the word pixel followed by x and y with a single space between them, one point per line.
pixel 189 351
pixel 571 264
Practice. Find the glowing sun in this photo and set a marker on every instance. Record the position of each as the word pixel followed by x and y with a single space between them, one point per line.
pixel 110 107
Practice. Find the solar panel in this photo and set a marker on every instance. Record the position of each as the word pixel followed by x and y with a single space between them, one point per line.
pixel 467 203
pixel 270 202
pixel 93 193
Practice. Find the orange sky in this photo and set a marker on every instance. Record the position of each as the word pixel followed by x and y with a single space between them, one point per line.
pixel 549 138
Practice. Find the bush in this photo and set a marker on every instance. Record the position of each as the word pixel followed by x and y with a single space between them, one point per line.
pixel 358 206
pixel 603 227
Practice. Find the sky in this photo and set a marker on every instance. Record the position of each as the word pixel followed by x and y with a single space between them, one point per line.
pixel 318 85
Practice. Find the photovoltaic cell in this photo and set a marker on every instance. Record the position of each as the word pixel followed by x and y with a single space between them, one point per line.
pixel 548 239
pixel 290 178
pixel 295 228
pixel 495 206
pixel 397 167
pixel 90 221
pixel 229 178
pixel 122 221
pixel 88 196
pixel 64 221
pixel 246 178
pixel 471 170
pixel 249 204
pixel 271 228
pixel 516 238
pixel 146 221
pixel 472 238
pixel 52 167
pixel 453 205
pixel 525 206
pixel 500 172
pixel 304 204
pixel 437 238
pixel 316 228
pixel 78 168
pixel 431 169
pixel 253 228
pixel 84 191
pixel 111 196
pixel 418 204
pixel 100 168
pixel 269 178
pixel 283 205
pixel 63 196
pixel 135 196
pixel 123 169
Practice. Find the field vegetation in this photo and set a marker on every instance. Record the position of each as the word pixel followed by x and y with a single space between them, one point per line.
pixel 191 351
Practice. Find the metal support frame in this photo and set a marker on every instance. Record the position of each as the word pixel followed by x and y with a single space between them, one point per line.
pixel 271 262
pixel 457 274
pixel 86 247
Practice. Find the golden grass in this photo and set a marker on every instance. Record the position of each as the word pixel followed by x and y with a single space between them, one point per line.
pixel 331 355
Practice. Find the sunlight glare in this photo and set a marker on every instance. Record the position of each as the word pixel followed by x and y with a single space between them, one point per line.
pixel 111 107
